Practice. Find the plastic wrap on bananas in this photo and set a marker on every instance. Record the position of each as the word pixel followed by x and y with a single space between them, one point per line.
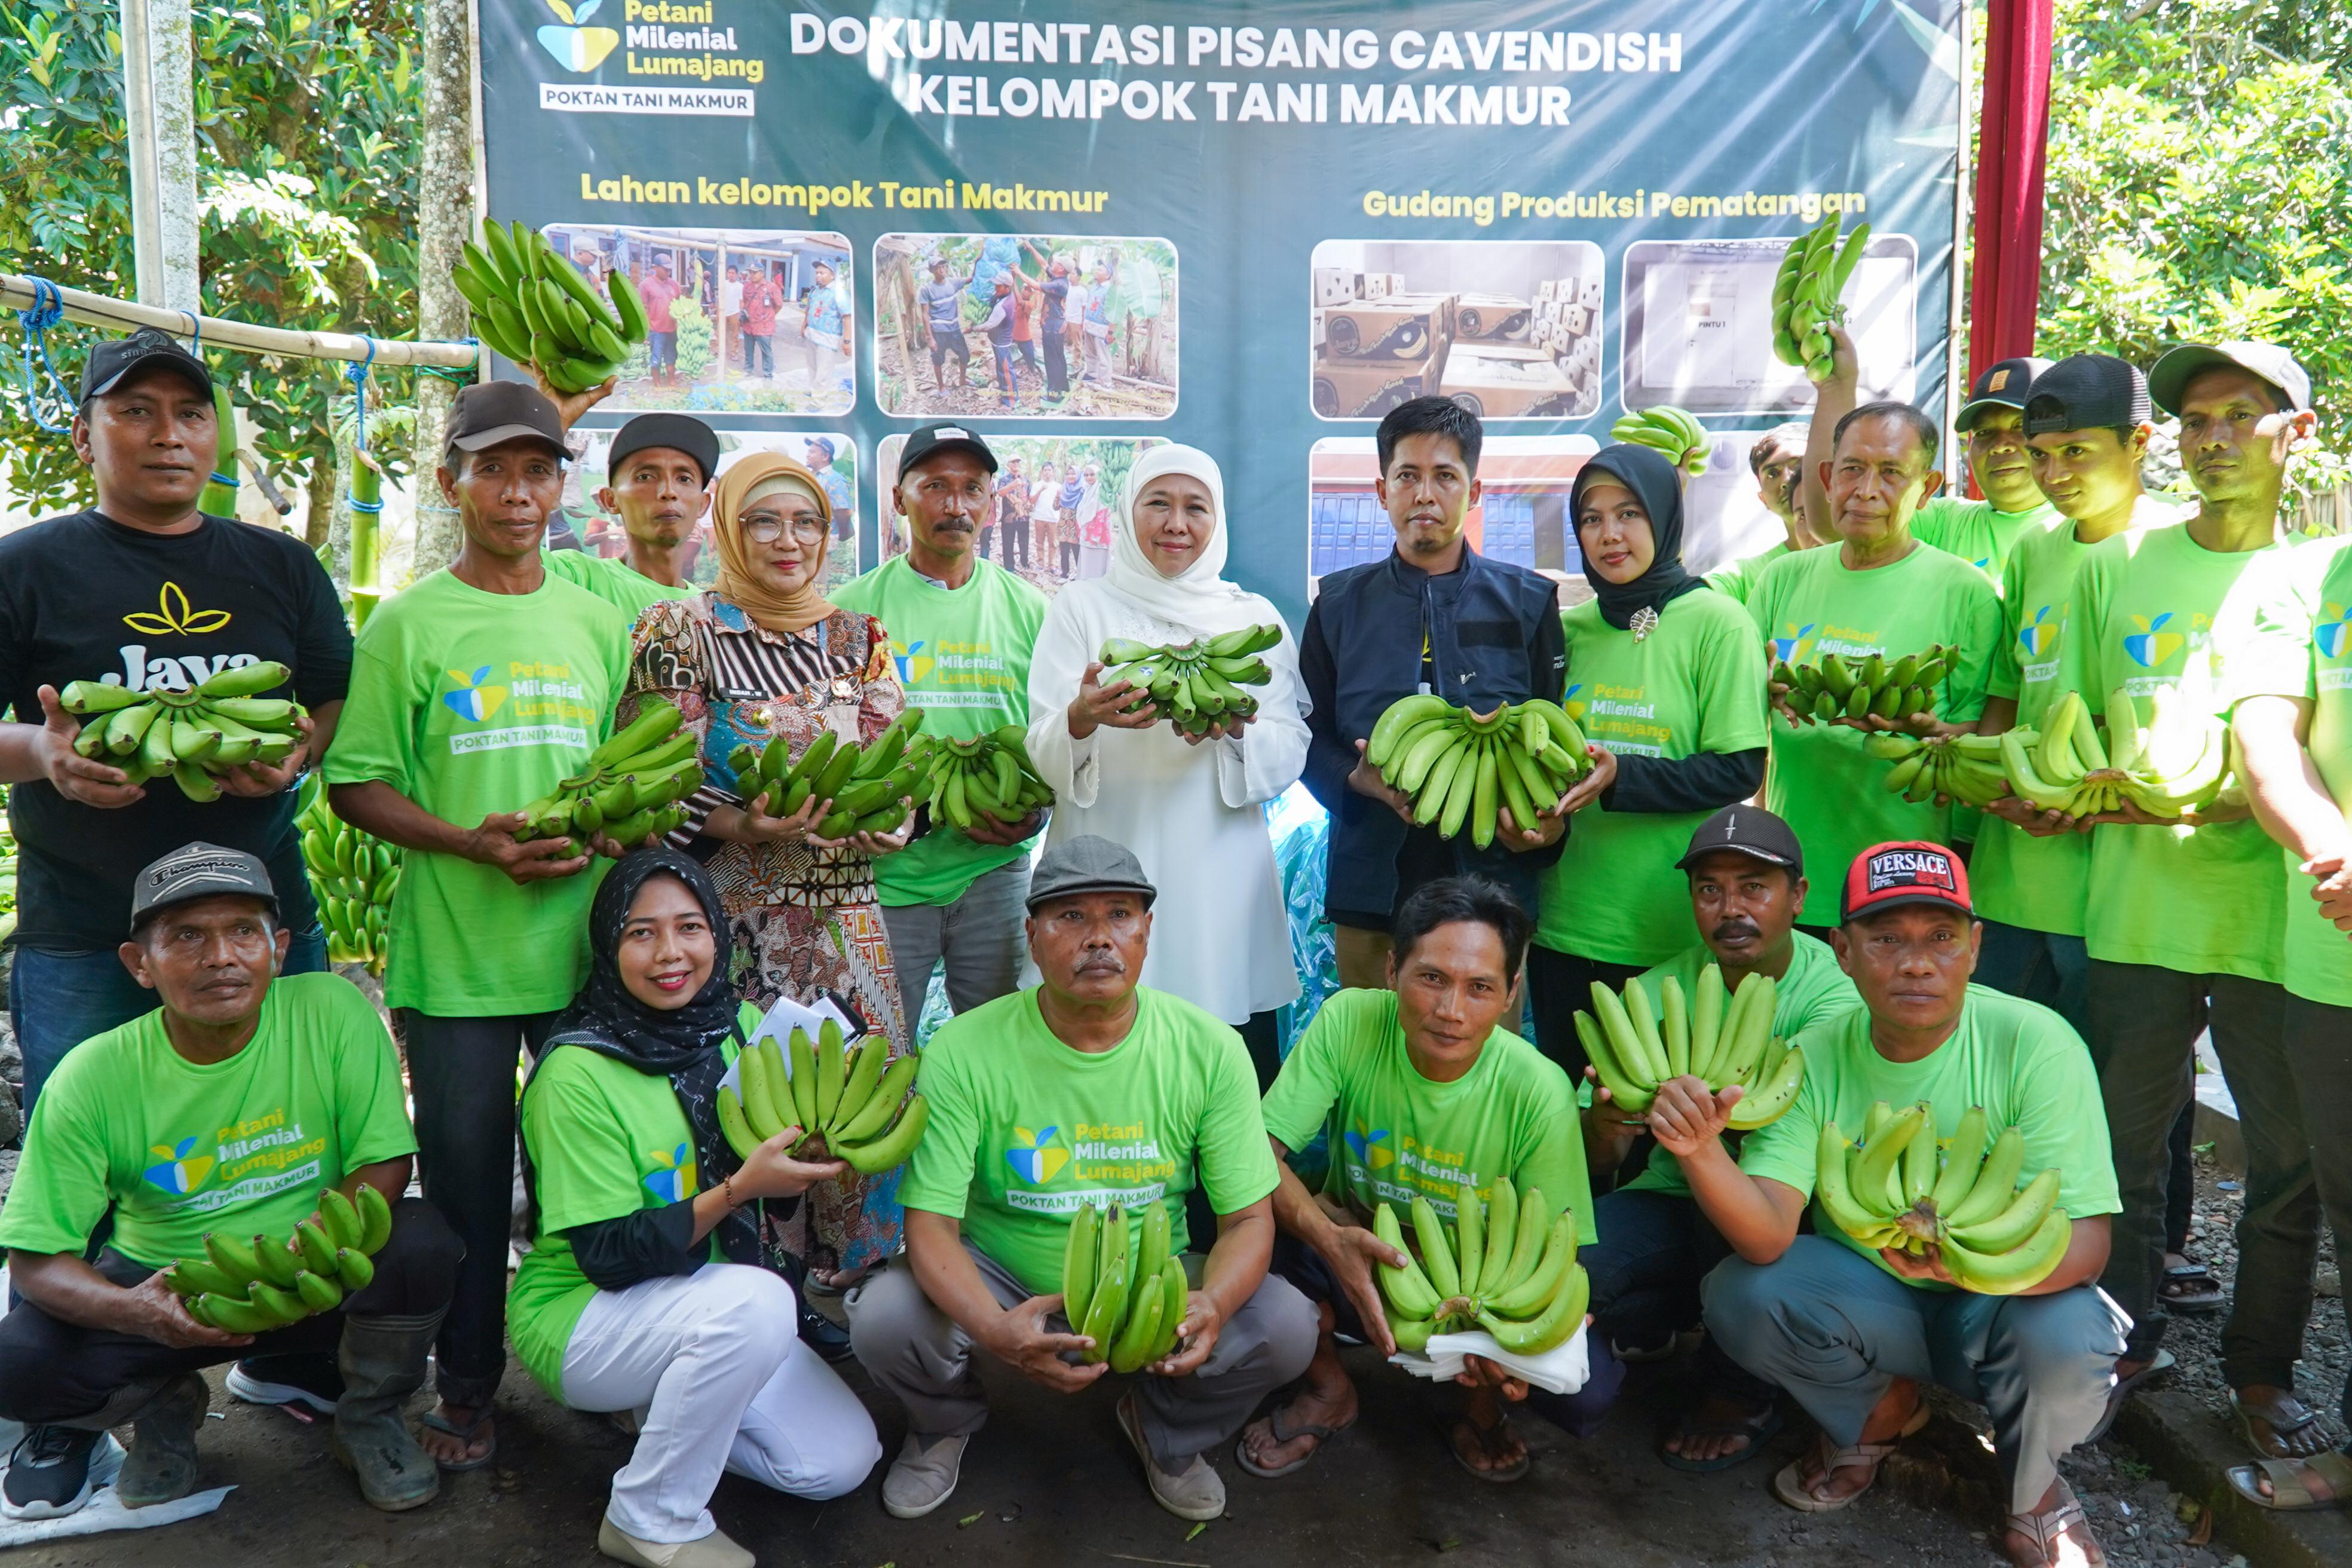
pixel 1673 432
pixel 1891 1191
pixel 848 1097
pixel 1508 1266
pixel 533 306
pixel 1718 1036
pixel 352 875
pixel 1462 768
pixel 867 785
pixel 2174 760
pixel 1872 686
pixel 1806 293
pixel 192 737
pixel 1195 685
pixel 244 1286
pixel 633 791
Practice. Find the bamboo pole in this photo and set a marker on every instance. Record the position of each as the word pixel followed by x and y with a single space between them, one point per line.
pixel 97 310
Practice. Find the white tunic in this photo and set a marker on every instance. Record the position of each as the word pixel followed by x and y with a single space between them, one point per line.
pixel 1192 815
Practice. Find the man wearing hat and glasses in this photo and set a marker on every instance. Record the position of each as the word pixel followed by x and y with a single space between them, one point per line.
pixel 143 591
pixel 258 1090
pixel 1085 1088
pixel 657 482
pixel 479 691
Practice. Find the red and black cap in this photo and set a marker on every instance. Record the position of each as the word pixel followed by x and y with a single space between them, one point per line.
pixel 1888 875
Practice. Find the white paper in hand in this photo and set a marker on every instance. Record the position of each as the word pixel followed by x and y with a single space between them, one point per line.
pixel 1560 1369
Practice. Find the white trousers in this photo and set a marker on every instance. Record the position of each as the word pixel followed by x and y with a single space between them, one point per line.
pixel 712 1364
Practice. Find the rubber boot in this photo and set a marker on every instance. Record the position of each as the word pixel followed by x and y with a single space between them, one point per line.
pixel 383 1363
pixel 163 1461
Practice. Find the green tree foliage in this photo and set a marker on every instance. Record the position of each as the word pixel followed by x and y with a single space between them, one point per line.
pixel 306 138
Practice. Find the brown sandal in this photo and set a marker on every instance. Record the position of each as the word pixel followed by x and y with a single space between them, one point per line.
pixel 2291 1481
pixel 2048 1530
pixel 1790 1486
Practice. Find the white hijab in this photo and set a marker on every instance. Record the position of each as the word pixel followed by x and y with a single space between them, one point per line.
pixel 1200 598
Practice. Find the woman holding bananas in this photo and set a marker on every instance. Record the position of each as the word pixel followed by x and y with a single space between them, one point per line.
pixel 762 655
pixel 649 1287
pixel 1184 791
pixel 1666 677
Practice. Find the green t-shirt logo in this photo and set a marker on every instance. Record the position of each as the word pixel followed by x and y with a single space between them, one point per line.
pixel 672 1179
pixel 1368 1146
pixel 1795 645
pixel 2328 634
pixel 2152 645
pixel 913 664
pixel 2039 637
pixel 179 1172
pixel 1033 1158
pixel 472 700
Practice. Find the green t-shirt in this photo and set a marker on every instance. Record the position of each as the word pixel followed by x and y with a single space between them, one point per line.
pixel 1396 1135
pixel 243 1146
pixel 470 704
pixel 2300 649
pixel 604 1142
pixel 1823 780
pixel 1814 989
pixel 2016 1058
pixel 1694 684
pixel 1975 532
pixel 964 658
pixel 1024 1130
pixel 1738 581
pixel 614 580
pixel 2155 610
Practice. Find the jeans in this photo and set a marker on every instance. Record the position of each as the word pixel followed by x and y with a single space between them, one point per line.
pixel 760 353
pixel 2040 966
pixel 661 350
pixel 979 935
pixel 946 340
pixel 1654 1250
pixel 1561 986
pixel 2319 1054
pixel 1057 369
pixel 1007 385
pixel 461 1077
pixel 58 1000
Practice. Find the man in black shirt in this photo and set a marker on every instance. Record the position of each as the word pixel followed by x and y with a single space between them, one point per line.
pixel 144 590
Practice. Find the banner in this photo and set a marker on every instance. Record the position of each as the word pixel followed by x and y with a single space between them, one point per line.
pixel 1250 225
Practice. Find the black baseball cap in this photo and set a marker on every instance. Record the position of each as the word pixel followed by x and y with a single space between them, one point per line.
pixel 2170 378
pixel 1748 830
pixel 2002 386
pixel 929 440
pixel 198 870
pixel 115 360
pixel 679 432
pixel 1088 864
pixel 490 412
pixel 2084 392
pixel 1888 875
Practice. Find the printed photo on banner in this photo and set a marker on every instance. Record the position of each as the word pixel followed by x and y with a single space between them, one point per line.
pixel 1521 516
pixel 738 320
pixel 584 522
pixel 1056 502
pixel 1697 325
pixel 1726 517
pixel 1069 327
pixel 1509 330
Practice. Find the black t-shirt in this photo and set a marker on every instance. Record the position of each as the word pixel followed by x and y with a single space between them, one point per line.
pixel 85 598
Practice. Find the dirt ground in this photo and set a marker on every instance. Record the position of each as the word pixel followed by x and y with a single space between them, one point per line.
pixel 914 395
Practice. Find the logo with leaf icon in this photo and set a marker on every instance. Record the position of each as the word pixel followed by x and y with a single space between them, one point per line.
pixel 174 618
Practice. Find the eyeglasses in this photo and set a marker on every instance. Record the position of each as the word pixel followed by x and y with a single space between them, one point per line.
pixel 768 530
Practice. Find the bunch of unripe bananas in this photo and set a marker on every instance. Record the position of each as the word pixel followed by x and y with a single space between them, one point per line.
pixel 1125 1291
pixel 1671 431
pixel 1994 1237
pixel 1460 766
pixel 251 1288
pixel 633 787
pixel 2177 761
pixel 1716 1037
pixel 1870 687
pixel 1195 684
pixel 1966 768
pixel 989 775
pixel 353 876
pixel 868 785
pixel 1509 1268
pixel 193 736
pixel 846 1098
pixel 533 306
pixel 1805 294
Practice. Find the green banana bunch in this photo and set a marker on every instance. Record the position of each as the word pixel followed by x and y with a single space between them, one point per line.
pixel 1718 1037
pixel 2177 761
pixel 1460 767
pixel 1509 1268
pixel 1871 687
pixel 1966 768
pixel 1121 1286
pixel 867 785
pixel 531 305
pixel 253 1287
pixel 1670 430
pixel 633 789
pixel 1196 684
pixel 192 737
pixel 822 1091
pixel 1805 294
pixel 988 775
pixel 1995 1237
pixel 352 876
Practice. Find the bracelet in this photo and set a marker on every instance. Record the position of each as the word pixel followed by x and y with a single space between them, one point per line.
pixel 727 1189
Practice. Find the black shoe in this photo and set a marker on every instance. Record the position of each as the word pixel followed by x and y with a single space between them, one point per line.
pixel 310 1380
pixel 48 1473
pixel 822 1335
pixel 162 1465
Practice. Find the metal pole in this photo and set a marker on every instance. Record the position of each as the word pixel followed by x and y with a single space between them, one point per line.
pixel 158 84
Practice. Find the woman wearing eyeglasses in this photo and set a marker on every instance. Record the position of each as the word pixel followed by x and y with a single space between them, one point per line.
pixel 762 654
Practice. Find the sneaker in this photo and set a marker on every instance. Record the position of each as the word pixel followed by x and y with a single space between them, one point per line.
pixel 923 1476
pixel 1195 1491
pixel 310 1380
pixel 53 1470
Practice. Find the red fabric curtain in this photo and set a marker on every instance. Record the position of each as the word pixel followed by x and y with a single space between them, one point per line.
pixel 2006 289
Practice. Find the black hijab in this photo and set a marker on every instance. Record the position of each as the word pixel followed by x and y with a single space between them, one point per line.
pixel 681 1044
pixel 1655 482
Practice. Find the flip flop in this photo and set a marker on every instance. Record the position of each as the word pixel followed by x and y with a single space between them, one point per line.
pixel 2164 1363
pixel 1759 1432
pixel 2289 1406
pixel 2047 1530
pixel 2204 1297
pixel 2291 1481
pixel 1503 1476
pixel 435 1421
pixel 1789 1487
pixel 1276 1429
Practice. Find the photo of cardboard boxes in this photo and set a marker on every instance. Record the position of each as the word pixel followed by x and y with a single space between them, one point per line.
pixel 1491 318
pixel 1407 338
pixel 1395 326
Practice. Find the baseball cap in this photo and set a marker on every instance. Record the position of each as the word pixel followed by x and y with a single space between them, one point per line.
pixel 112 361
pixel 1888 875
pixel 490 412
pixel 679 432
pixel 198 870
pixel 1087 864
pixel 2170 378
pixel 2083 392
pixel 928 441
pixel 2002 386
pixel 1748 830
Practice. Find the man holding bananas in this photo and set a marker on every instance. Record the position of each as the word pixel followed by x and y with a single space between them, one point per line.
pixel 272 1100
pixel 1850 1331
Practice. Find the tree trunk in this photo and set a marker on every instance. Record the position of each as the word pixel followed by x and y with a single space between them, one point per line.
pixel 445 219
pixel 317 528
